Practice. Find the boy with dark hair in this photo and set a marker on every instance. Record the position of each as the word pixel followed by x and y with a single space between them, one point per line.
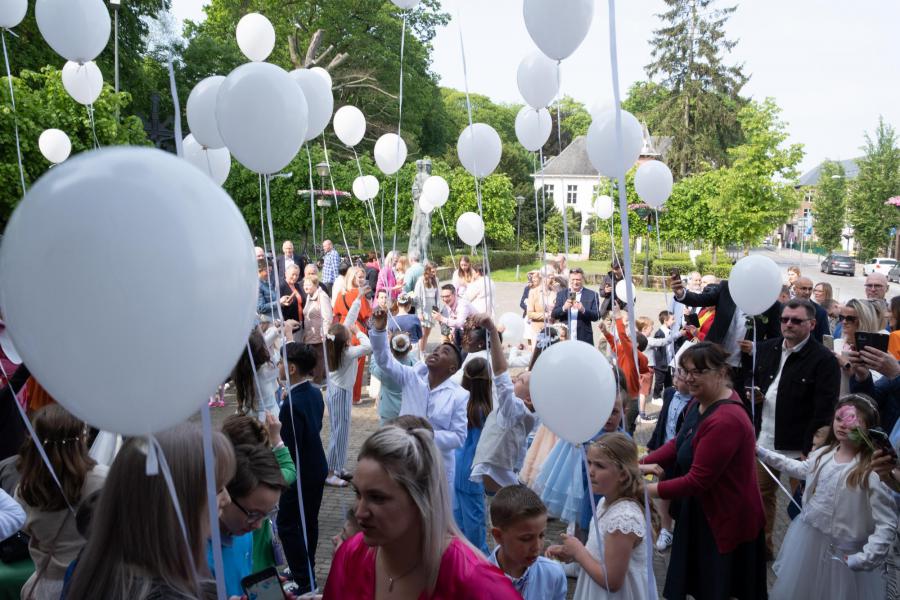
pixel 519 520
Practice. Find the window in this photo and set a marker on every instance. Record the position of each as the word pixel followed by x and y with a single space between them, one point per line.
pixel 549 188
pixel 595 193
pixel 572 194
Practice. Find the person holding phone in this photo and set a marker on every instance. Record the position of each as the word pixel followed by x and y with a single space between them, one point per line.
pixel 578 307
pixel 452 315
pixel 885 390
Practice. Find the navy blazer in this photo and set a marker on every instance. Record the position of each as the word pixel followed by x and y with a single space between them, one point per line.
pixel 591 313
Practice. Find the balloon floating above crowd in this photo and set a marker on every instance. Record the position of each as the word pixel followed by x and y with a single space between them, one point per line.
pixel 215 162
pixel 255 36
pixel 55 145
pixel 83 81
pixel 77 30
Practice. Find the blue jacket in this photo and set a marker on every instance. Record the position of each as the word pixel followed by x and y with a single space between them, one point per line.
pixel 591 313
pixel 306 406
pixel 267 300
pixel 886 393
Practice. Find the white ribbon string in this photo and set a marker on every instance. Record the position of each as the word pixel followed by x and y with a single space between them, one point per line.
pixel 780 485
pixel 212 505
pixel 12 97
pixel 176 105
pixel 262 221
pixel 559 144
pixel 648 542
pixel 312 198
pixel 399 124
pixel 447 235
pixel 337 206
pixel 753 377
pixel 595 519
pixel 366 205
pixel 90 112
pixel 659 250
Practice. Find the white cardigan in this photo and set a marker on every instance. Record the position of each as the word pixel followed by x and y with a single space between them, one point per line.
pixel 345 376
pixel 858 514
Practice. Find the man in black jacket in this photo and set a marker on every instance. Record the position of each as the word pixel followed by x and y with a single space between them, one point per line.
pixel 799 381
pixel 577 304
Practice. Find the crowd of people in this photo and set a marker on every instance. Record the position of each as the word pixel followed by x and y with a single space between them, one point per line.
pixel 802 400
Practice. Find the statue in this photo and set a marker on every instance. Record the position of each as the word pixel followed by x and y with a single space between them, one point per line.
pixel 420 232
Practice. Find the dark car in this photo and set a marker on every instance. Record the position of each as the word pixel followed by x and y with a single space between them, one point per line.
pixel 838 263
pixel 894 273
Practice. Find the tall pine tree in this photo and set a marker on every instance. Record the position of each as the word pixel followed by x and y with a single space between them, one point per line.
pixel 702 101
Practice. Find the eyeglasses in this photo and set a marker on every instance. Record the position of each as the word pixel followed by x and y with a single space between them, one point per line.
pixel 874 285
pixel 803 289
pixel 691 373
pixel 254 517
pixel 847 319
pixel 793 321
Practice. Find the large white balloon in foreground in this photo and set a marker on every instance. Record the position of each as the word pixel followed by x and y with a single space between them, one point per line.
pixel 470 228
pixel 533 128
pixel 143 236
pixel 436 190
pixel 349 125
pixel 653 183
pixel 479 149
pixel 390 153
pixel 538 79
pixel 319 100
pixel 201 112
pixel 603 145
pixel 755 283
pixel 262 116
pixel 255 36
pixel 84 82
pixel 573 389
pixel 558 26
pixel 77 30
pixel 12 12
pixel 55 145
pixel 214 162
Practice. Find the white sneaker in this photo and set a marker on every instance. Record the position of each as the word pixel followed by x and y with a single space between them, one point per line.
pixel 664 540
pixel 335 481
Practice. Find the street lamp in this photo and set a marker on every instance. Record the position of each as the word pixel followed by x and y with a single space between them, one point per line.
pixel 116 4
pixel 519 201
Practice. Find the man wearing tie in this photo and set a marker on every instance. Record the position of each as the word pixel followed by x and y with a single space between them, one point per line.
pixel 578 308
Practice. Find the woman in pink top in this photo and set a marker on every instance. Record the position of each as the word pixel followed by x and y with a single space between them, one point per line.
pixel 408 545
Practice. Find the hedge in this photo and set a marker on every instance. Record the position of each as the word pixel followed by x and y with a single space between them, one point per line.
pixel 499 259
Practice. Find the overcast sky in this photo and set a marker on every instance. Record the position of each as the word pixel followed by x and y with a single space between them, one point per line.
pixel 832 67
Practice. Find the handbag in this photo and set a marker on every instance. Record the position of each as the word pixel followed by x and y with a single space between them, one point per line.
pixel 15 548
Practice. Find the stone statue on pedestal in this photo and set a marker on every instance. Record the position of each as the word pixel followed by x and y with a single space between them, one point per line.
pixel 420 231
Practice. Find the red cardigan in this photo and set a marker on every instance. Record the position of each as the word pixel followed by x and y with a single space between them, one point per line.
pixel 722 476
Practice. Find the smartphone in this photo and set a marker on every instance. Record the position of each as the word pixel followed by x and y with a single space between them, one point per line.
pixel 881 441
pixel 675 273
pixel 865 339
pixel 754 392
pixel 692 319
pixel 263 585
pixel 828 342
pixel 571 296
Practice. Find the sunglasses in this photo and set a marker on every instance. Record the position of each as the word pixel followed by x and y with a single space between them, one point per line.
pixel 793 321
pixel 847 319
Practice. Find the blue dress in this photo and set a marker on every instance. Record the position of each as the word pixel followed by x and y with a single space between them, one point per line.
pixel 468 495
pixel 559 482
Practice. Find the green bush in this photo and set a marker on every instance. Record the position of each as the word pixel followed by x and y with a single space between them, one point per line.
pixel 499 259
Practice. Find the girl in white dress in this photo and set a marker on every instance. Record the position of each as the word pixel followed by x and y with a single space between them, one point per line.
pixel 613 471
pixel 835 547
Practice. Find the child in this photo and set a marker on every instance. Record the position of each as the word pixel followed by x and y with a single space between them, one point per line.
pixel 819 440
pixel 348 530
pixel 501 449
pixel 256 395
pixel 343 360
pixel 469 495
pixel 407 321
pixel 519 520
pixel 848 517
pixel 391 397
pixel 614 473
pixel 632 372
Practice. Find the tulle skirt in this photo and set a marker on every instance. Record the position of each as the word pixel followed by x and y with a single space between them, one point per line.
pixel 559 482
pixel 544 441
pixel 807 569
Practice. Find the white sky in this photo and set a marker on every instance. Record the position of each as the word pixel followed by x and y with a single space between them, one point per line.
pixel 832 67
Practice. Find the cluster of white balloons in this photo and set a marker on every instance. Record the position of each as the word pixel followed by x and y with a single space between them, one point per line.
pixel 435 193
pixel 55 145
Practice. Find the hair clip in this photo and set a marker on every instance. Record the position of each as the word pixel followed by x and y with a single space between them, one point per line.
pixel 329 337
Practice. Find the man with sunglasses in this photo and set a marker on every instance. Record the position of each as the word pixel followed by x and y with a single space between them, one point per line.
pixel 798 381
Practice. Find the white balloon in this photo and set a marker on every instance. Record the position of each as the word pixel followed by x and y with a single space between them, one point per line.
pixel 425 204
pixel 12 12
pixel 319 100
pixel 622 292
pixel 755 284
pixel 77 30
pixel 123 198
pixel 573 390
pixel 605 207
pixel 514 327
pixel 538 79
pixel 325 74
pixel 533 128
pixel 262 116
pixel 390 153
pixel 9 349
pixel 436 190
pixel 55 145
pixel 603 146
pixel 479 149
pixel 558 26
pixel 255 36
pixel 406 4
pixel 600 106
pixel 84 82
pixel 653 183
pixel 349 125
pixel 201 112
pixel 365 187
pixel 470 228
pixel 214 162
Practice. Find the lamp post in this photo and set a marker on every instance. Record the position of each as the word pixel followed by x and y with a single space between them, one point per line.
pixel 323 170
pixel 519 201
pixel 116 4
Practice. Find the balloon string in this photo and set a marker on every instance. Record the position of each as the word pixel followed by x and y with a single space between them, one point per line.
pixel 212 507
pixel 753 377
pixel 90 112
pixel 312 198
pixel 620 175
pixel 337 206
pixel 659 250
pixel 559 144
pixel 176 105
pixel 399 124
pixel 12 97
pixel 396 196
pixel 648 538
pixel 37 442
pixel 537 217
pixel 370 203
pixel 447 235
pixel 596 521
pixel 780 485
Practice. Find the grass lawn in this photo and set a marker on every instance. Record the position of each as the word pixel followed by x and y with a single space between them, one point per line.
pixel 589 266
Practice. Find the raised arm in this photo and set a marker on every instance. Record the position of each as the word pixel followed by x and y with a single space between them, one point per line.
pixel 798 469
pixel 382 354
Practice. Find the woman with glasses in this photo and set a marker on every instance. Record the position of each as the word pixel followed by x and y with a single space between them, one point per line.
pixel 856 315
pixel 718 550
pixel 822 292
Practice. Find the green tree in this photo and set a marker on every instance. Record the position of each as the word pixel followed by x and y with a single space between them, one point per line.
pixel 702 101
pixel 829 205
pixel 878 180
pixel 42 103
pixel 497 202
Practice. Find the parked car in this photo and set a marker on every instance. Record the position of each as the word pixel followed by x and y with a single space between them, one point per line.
pixel 838 263
pixel 879 265
pixel 894 273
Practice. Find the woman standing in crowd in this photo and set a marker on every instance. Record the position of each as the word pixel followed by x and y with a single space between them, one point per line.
pixel 50 514
pixel 849 520
pixel 317 318
pixel 356 281
pixel 822 292
pixel 856 315
pixel 462 276
pixel 291 296
pixel 256 358
pixel 540 301
pixel 427 297
pixel 400 273
pixel 480 292
pixel 387 278
pixel 340 282
pixel 137 548
pixel 408 545
pixel 719 548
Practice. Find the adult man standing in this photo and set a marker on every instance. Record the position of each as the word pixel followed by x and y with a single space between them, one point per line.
pixel 799 382
pixel 427 390
pixel 803 289
pixel 413 272
pixel 330 265
pixel 453 314
pixel 577 307
pixel 288 258
pixel 876 289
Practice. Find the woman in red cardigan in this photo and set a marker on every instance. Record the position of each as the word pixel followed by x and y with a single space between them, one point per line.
pixel 719 545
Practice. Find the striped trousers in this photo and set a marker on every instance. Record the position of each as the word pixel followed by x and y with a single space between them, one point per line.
pixel 339 402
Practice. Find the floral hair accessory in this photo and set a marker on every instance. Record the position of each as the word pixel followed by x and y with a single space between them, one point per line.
pixel 546 338
pixel 847 415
